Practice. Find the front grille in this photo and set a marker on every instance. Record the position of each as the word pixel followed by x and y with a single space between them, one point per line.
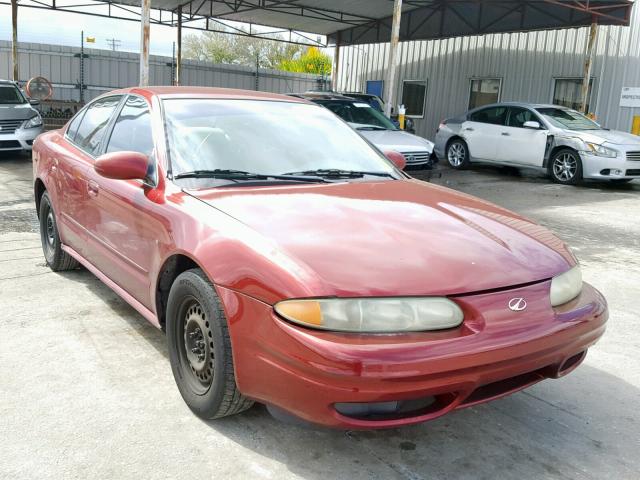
pixel 416 157
pixel 633 172
pixel 634 156
pixel 9 144
pixel 9 126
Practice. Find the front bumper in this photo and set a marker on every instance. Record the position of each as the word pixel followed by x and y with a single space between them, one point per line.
pixel 21 139
pixel 603 168
pixel 495 352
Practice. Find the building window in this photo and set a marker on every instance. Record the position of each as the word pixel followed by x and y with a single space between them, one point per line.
pixel 568 93
pixel 414 93
pixel 484 91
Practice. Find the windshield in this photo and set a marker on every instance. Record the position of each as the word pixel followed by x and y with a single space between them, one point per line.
pixel 569 119
pixel 359 114
pixel 9 94
pixel 263 137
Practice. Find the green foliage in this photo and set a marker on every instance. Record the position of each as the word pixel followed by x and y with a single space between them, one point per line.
pixel 220 47
pixel 311 61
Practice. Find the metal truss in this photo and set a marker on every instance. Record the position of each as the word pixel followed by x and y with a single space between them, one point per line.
pixel 195 15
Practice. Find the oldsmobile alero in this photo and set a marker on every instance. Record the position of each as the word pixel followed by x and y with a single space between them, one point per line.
pixel 291 263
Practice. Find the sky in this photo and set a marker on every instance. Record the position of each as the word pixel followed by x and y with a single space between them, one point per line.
pixel 62 28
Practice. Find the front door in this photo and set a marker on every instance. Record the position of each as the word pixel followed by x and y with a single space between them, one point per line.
pixel 520 145
pixel 129 230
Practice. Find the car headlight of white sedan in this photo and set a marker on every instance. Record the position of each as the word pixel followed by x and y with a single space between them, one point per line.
pixel 373 315
pixel 600 151
pixel 566 287
pixel 33 122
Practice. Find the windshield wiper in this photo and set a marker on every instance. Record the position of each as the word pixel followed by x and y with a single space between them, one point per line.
pixel 242 175
pixel 372 127
pixel 337 173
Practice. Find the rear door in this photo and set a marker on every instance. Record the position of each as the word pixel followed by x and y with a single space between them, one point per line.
pixel 517 144
pixel 482 131
pixel 74 162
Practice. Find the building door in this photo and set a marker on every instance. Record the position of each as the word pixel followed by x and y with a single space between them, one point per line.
pixel 375 87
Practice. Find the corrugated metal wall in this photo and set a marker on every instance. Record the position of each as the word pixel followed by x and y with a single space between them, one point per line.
pixel 106 70
pixel 527 63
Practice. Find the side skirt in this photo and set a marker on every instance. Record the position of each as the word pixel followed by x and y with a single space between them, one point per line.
pixel 144 311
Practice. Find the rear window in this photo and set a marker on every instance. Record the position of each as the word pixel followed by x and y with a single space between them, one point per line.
pixel 493 115
pixel 11 95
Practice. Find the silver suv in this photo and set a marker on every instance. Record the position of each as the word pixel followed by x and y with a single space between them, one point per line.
pixel 20 123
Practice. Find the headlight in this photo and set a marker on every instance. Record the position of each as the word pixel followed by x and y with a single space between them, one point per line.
pixel 373 315
pixel 566 287
pixel 33 122
pixel 601 151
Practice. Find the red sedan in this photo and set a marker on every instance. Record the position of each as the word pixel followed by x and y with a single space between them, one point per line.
pixel 293 264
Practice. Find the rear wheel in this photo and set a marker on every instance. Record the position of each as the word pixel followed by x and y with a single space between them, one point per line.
pixel 458 154
pixel 566 167
pixel 57 259
pixel 200 348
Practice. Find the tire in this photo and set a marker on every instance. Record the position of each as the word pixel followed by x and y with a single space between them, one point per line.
pixel 200 348
pixel 457 154
pixel 57 259
pixel 565 167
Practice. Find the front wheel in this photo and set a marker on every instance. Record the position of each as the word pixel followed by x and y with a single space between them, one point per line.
pixel 458 154
pixel 565 167
pixel 200 348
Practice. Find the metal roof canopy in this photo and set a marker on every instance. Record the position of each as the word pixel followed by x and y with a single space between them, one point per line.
pixel 349 22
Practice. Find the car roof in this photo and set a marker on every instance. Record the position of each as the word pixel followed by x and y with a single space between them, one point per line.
pixel 206 92
pixel 7 82
pixel 323 96
pixel 519 104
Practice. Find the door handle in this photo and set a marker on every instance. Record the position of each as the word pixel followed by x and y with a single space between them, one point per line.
pixel 506 134
pixel 469 129
pixel 93 188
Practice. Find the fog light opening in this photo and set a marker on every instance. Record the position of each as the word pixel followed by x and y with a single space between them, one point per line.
pixel 605 172
pixel 396 409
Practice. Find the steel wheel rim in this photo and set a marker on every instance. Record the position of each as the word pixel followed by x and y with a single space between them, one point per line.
pixel 50 230
pixel 565 167
pixel 196 347
pixel 456 154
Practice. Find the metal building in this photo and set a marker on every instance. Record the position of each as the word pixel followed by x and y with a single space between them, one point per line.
pixel 444 77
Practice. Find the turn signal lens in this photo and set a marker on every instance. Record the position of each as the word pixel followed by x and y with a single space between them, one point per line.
pixel 566 287
pixel 373 315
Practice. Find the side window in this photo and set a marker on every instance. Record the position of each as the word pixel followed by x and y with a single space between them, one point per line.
pixel 73 126
pixel 132 130
pixel 493 115
pixel 93 125
pixel 519 116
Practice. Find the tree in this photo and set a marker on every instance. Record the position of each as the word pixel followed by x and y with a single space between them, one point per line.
pixel 218 47
pixel 311 61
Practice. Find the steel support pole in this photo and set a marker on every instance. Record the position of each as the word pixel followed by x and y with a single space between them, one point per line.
pixel 588 64
pixel 14 38
pixel 335 70
pixel 392 67
pixel 179 43
pixel 145 17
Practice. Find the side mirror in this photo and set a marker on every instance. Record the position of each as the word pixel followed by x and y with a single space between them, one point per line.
pixel 397 158
pixel 122 165
pixel 34 101
pixel 532 125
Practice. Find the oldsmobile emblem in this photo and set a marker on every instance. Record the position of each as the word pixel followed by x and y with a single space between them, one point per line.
pixel 517 304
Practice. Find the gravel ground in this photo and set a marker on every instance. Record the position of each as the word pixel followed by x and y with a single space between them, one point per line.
pixel 87 391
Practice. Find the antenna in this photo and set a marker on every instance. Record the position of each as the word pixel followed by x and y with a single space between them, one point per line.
pixel 114 43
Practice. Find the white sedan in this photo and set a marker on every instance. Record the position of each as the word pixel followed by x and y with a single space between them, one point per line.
pixel 561 141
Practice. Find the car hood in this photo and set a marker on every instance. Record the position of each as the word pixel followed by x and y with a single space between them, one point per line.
pixel 397 140
pixel 22 111
pixel 388 238
pixel 613 137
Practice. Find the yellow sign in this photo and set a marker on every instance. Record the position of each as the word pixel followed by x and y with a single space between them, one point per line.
pixel 635 129
pixel 91 39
